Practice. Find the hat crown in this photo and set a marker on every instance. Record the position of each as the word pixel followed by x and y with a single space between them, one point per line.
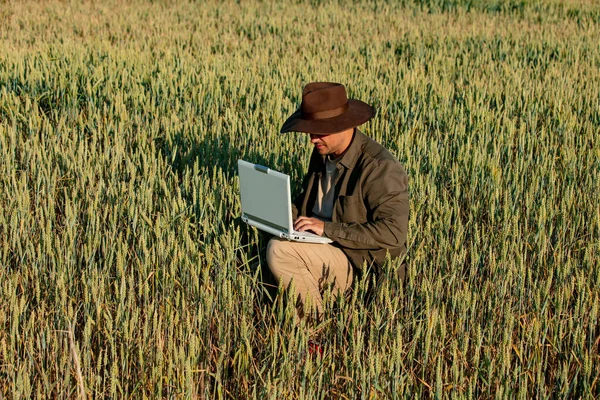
pixel 323 100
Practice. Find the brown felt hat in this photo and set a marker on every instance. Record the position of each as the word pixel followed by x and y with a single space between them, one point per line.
pixel 326 109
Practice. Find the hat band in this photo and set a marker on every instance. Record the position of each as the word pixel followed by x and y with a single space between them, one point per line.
pixel 326 113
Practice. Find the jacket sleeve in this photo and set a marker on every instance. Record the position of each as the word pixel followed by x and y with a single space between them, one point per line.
pixel 386 196
pixel 296 205
pixel 299 200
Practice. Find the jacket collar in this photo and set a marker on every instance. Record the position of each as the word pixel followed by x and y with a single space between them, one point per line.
pixel 349 158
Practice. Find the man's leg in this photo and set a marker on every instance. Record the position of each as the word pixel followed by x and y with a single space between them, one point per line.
pixel 310 266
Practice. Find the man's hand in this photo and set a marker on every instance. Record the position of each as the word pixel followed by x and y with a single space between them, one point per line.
pixel 315 225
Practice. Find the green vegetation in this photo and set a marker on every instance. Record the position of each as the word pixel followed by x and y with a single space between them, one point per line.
pixel 121 250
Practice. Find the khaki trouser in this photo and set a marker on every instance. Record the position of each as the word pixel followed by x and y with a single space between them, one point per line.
pixel 312 267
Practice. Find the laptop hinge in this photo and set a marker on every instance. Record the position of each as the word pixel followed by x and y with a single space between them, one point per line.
pixel 264 222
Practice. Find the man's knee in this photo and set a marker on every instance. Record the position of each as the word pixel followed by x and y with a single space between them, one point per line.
pixel 278 254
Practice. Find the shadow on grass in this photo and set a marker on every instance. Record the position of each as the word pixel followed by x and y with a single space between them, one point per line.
pixel 219 154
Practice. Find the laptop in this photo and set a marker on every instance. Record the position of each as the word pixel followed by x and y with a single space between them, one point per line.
pixel 267 203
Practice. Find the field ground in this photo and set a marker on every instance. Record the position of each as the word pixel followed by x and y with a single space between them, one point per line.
pixel 126 272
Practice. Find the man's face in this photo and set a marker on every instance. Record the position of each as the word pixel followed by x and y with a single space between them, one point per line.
pixel 333 144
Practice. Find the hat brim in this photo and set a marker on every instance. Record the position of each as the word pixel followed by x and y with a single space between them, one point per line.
pixel 357 113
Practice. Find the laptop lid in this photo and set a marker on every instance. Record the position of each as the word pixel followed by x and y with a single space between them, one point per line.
pixel 265 196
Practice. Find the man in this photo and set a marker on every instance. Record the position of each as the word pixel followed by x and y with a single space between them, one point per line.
pixel 355 193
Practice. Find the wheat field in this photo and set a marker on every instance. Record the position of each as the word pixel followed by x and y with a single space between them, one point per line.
pixel 125 270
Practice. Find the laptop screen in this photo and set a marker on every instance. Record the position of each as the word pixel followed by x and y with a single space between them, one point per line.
pixel 265 195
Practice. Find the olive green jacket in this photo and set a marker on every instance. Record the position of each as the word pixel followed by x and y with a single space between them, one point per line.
pixel 370 212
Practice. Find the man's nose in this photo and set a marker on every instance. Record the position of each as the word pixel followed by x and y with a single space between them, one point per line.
pixel 313 138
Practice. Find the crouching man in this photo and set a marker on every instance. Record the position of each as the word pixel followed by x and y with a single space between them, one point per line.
pixel 355 193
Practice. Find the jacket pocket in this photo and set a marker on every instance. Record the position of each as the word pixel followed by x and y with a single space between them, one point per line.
pixel 351 209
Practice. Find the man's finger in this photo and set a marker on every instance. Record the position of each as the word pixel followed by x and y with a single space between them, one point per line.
pixel 302 225
pixel 301 221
